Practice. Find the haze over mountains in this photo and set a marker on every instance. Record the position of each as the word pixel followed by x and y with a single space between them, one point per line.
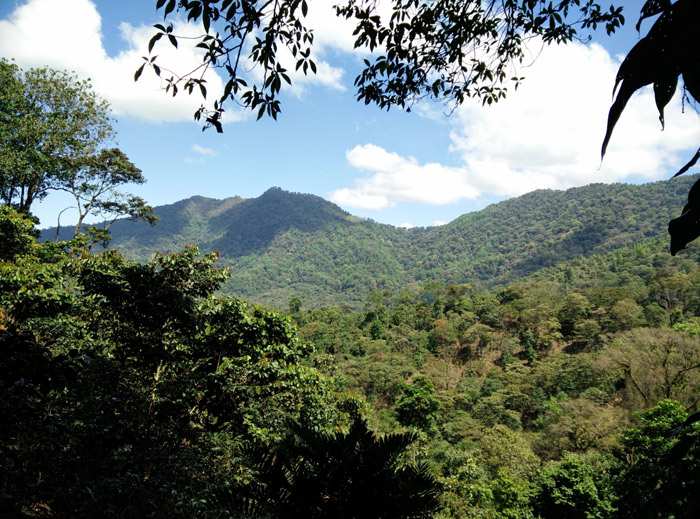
pixel 282 244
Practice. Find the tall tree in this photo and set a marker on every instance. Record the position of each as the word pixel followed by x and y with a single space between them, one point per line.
pixel 50 121
pixel 94 185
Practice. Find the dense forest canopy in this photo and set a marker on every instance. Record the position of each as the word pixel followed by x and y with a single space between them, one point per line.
pixel 165 399
pixel 567 386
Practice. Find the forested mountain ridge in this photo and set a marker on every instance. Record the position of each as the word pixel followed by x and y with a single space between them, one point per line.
pixel 282 244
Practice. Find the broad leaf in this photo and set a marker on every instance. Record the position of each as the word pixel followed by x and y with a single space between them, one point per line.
pixel 686 227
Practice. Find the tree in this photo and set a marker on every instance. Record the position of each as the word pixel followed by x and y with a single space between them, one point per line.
pixel 418 405
pixel 50 120
pixel 94 187
pixel 348 475
pixel 445 50
pixel 53 135
pixel 667 52
pixel 131 389
pixel 657 364
pixel 578 486
pixel 661 460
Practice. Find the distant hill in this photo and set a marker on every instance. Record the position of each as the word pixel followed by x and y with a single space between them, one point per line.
pixel 282 244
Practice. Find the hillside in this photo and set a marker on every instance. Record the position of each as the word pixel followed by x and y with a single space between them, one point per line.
pixel 283 244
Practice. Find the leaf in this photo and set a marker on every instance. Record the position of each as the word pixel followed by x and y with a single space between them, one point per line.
pixel 652 8
pixel 153 41
pixel 623 96
pixel 689 165
pixel 173 40
pixel 138 73
pixel 646 63
pixel 691 79
pixel 663 93
pixel 169 8
pixel 686 227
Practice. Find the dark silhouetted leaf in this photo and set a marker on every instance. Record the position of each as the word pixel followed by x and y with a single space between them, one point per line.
pixel 663 93
pixel 153 41
pixel 689 165
pixel 691 78
pixel 686 227
pixel 652 8
pixel 138 73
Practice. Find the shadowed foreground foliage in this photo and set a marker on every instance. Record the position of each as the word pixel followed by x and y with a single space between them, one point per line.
pixel 132 390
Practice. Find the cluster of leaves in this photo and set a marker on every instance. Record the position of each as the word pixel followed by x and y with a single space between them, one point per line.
pixel 453 51
pixel 132 390
pixel 248 41
pixel 667 52
pixel 448 50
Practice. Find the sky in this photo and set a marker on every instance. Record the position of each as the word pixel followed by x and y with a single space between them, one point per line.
pixel 421 168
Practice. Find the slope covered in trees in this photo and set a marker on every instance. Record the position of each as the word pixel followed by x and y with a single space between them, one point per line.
pixel 565 394
pixel 285 244
pixel 568 393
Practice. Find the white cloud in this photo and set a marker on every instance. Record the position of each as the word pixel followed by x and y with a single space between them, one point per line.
pixel 203 150
pixel 407 225
pixel 67 34
pixel 394 178
pixel 437 223
pixel 547 134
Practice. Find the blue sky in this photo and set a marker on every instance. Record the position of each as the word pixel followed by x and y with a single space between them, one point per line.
pixel 419 168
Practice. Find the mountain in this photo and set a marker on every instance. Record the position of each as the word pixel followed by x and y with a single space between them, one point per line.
pixel 282 244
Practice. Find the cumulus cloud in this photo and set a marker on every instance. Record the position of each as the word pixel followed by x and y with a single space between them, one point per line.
pixel 547 134
pixel 407 225
pixel 203 150
pixel 394 178
pixel 68 35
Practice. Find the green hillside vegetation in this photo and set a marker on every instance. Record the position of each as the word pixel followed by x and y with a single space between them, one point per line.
pixel 541 398
pixel 134 390
pixel 282 244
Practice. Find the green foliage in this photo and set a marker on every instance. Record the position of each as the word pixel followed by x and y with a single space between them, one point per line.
pixel 417 405
pixel 577 486
pixel 352 474
pixel 17 233
pixel 661 475
pixel 53 135
pixel 283 245
pixel 50 120
pixel 133 390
